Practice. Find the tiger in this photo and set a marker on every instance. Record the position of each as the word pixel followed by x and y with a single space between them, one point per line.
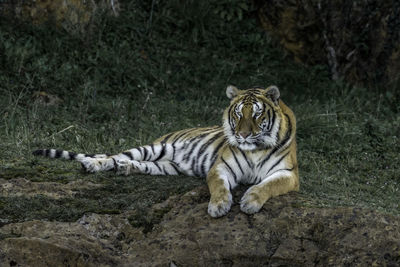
pixel 256 145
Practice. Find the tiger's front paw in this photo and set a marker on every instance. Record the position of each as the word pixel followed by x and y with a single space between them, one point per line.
pixel 218 208
pixel 251 202
pixel 126 167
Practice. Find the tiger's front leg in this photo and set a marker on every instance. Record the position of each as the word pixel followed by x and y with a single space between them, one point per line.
pixel 277 184
pixel 221 197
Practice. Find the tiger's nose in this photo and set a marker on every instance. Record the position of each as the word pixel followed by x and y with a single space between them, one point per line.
pixel 244 134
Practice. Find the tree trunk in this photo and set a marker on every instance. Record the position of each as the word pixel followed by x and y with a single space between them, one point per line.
pixel 359 40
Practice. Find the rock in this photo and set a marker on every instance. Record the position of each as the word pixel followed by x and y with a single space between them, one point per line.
pixel 17 187
pixel 93 240
pixel 45 99
pixel 287 231
pixel 359 40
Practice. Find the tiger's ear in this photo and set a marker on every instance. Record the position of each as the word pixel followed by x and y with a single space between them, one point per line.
pixel 231 91
pixel 272 92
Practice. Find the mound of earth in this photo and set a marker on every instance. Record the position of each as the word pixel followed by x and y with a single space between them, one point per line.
pixel 287 231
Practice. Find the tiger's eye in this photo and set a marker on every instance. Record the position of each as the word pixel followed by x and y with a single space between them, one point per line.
pixel 258 114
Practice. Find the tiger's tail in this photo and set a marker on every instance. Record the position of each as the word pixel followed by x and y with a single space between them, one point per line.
pixel 63 154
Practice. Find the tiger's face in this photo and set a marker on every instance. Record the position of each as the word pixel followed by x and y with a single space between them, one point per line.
pixel 252 119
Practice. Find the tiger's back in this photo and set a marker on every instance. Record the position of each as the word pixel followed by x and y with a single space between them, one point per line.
pixel 193 151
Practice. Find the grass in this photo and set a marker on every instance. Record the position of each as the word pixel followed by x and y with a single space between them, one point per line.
pixel 163 66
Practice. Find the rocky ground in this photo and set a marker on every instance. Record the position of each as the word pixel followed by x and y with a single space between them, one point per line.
pixel 287 231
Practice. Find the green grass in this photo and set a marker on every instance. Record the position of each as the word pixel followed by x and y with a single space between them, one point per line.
pixel 165 67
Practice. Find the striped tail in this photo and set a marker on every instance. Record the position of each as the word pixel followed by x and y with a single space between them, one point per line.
pixel 63 154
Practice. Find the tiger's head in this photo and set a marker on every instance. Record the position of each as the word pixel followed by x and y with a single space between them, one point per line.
pixel 253 117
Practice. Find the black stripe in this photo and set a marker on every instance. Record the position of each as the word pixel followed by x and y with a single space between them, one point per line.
pixel 188 132
pixel 245 157
pixel 166 138
pixel 268 105
pixel 140 152
pixel 213 158
pixel 115 164
pixel 47 152
pixel 256 89
pixel 176 139
pixel 175 167
pixel 230 186
pixel 144 153
pixel 152 148
pixel 272 122
pixel 173 152
pixel 128 154
pixel 203 167
pixel 230 108
pixel 58 153
pixel 212 130
pixel 268 112
pixel 162 153
pixel 72 155
pixel 146 170
pixel 192 150
pixel 164 170
pixel 266 158
pixel 230 119
pixel 186 156
pixel 276 163
pixel 280 145
pixel 287 136
pixel 237 161
pixel 194 168
pixel 230 169
pixel 158 166
pixel 182 134
pixel 204 147
pixel 195 141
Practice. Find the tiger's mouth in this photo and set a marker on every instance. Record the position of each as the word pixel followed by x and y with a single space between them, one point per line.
pixel 248 143
pixel 245 142
pixel 250 139
pixel 253 142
